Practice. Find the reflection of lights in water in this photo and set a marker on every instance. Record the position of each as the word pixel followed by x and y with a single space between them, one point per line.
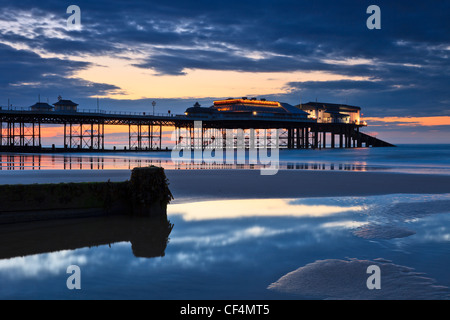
pixel 230 209
pixel 118 162
pixel 404 159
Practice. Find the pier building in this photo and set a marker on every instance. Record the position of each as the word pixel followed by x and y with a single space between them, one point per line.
pixel 312 125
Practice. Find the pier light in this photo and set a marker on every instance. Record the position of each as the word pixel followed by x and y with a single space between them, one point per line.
pixel 255 113
pixel 246 101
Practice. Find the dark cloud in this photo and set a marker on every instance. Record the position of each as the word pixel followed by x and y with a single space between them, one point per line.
pixel 174 61
pixel 25 66
pixel 404 65
pixel 27 75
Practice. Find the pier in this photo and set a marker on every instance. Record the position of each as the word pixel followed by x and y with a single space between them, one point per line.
pixel 84 130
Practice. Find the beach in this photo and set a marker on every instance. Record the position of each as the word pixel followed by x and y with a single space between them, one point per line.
pixel 236 234
pixel 233 184
pixel 194 185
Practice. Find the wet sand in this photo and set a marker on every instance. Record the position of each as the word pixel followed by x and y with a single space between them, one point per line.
pixel 195 185
pixel 227 184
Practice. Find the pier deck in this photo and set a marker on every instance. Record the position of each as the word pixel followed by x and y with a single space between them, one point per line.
pixel 21 130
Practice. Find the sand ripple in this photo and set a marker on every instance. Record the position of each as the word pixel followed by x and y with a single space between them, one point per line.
pixel 346 279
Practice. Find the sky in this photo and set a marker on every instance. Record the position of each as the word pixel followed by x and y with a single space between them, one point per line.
pixel 130 53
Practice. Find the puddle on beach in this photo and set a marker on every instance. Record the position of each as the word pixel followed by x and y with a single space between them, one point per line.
pixel 315 248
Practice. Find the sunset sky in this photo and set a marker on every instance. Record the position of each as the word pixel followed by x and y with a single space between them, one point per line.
pixel 130 53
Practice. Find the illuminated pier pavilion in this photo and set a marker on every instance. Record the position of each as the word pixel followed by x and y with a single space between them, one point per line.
pixel 312 125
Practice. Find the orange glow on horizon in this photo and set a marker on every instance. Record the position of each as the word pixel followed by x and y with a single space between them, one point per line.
pixel 138 83
pixel 115 135
pixel 412 121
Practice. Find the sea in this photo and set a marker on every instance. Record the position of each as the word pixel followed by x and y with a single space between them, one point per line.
pixel 394 246
pixel 422 159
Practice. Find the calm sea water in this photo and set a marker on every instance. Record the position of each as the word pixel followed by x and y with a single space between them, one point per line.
pixel 434 159
pixel 318 248
pixel 241 249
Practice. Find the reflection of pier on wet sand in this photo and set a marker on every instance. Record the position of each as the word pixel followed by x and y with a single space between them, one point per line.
pixel 148 236
pixel 22 162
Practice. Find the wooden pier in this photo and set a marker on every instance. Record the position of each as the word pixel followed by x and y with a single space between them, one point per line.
pixel 22 130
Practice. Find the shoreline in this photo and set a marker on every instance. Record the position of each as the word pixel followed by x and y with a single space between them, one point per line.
pixel 245 184
pixel 222 184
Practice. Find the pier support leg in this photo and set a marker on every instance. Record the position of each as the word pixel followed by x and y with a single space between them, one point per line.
pixel 160 137
pixel 92 136
pixel 65 136
pixel 345 139
pixel 289 142
pixel 70 136
pixel 316 138
pixel 332 140
pixel 150 130
pixel 306 138
pixel 349 138
pixel 129 136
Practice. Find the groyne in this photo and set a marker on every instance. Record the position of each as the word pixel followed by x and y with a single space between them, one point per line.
pixel 146 193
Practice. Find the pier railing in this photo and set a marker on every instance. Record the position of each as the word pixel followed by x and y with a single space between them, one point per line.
pixel 84 128
pixel 89 111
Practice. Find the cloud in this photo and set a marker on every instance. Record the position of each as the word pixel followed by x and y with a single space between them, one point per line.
pixel 174 61
pixel 405 64
pixel 30 75
pixel 37 266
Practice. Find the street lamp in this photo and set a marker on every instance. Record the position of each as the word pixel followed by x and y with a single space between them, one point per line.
pixel 154 104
